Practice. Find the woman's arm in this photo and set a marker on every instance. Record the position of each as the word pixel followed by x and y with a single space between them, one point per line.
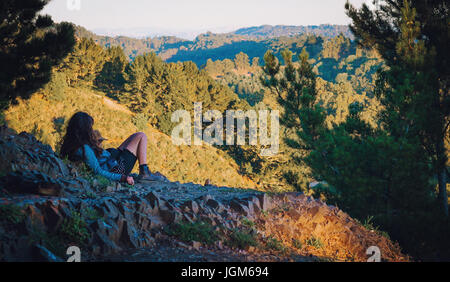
pixel 92 161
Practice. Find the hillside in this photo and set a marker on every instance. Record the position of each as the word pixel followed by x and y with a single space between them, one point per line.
pixel 152 89
pixel 254 41
pixel 358 118
pixel 46 119
pixel 47 205
pixel 333 53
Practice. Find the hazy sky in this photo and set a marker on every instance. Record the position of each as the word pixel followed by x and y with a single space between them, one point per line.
pixel 198 14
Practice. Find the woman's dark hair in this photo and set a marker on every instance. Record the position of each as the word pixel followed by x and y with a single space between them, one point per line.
pixel 79 132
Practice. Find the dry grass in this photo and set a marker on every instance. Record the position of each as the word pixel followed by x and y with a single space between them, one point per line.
pixel 309 227
pixel 179 163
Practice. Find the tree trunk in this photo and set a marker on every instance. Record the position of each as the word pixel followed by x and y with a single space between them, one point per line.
pixel 442 182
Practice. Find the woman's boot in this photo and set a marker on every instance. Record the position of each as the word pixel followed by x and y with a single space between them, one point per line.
pixel 146 175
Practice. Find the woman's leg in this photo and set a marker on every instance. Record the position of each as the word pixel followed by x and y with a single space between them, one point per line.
pixel 137 144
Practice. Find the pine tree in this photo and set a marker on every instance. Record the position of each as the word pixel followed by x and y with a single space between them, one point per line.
pixel 30 45
pixel 142 77
pixel 157 89
pixel 111 77
pixel 84 64
pixel 241 62
pixel 412 37
pixel 364 170
pixel 55 90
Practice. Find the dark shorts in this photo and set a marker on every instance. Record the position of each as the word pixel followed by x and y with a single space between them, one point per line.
pixel 125 159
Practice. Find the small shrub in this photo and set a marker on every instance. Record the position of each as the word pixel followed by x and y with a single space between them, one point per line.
pixel 84 171
pixel 165 123
pixel 75 229
pixel 140 121
pixel 91 195
pixel 291 177
pixel 91 214
pixel 248 223
pixel 12 214
pixel 58 125
pixel 197 231
pixel 55 90
pixel 369 225
pixel 247 168
pixel 101 182
pixel 97 181
pixel 297 244
pixel 314 242
pixel 53 242
pixel 66 160
pixel 242 239
pixel 273 243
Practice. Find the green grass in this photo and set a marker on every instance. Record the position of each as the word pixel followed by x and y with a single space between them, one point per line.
pixel 74 229
pixel 12 214
pixel 53 242
pixel 99 182
pixel 247 223
pixel 90 195
pixel 179 163
pixel 369 225
pixel 189 232
pixel 274 244
pixel 242 239
pixel 314 242
pixel 297 244
pixel 91 214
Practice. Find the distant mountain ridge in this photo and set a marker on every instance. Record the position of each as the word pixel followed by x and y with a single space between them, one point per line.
pixel 254 41
pixel 269 31
pixel 262 32
pixel 145 32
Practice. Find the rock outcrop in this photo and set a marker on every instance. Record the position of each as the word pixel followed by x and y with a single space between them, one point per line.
pixel 47 206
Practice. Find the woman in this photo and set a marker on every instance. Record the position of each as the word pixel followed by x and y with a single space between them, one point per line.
pixel 80 144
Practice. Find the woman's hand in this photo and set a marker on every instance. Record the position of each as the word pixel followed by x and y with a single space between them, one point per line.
pixel 130 180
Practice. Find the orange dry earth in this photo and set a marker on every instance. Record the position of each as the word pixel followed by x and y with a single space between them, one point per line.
pixel 299 218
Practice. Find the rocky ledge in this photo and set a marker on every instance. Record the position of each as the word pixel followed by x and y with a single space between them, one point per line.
pixel 48 205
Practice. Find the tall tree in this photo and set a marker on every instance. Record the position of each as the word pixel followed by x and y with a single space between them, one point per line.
pixel 30 45
pixel 111 77
pixel 412 36
pixel 85 62
pixel 241 62
pixel 365 170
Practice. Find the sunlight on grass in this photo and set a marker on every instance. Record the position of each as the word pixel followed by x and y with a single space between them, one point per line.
pixel 48 121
